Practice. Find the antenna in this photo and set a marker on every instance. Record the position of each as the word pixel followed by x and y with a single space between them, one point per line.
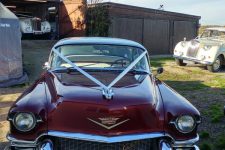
pixel 161 7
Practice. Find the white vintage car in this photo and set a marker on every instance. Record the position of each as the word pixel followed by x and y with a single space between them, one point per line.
pixel 33 25
pixel 207 49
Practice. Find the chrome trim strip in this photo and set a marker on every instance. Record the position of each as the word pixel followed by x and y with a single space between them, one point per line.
pixel 196 147
pixel 186 143
pixel 104 139
pixel 164 145
pixel 47 145
pixel 175 123
pixel 22 143
pixel 194 60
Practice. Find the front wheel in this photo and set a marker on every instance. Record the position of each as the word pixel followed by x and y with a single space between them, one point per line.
pixel 216 66
pixel 180 62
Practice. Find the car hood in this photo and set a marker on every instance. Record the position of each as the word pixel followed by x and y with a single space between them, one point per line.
pixel 210 41
pixel 81 108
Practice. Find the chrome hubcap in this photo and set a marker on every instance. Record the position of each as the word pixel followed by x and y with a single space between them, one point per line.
pixel 217 64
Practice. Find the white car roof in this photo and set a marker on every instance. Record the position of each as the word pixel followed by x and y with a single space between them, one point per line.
pixel 222 29
pixel 97 40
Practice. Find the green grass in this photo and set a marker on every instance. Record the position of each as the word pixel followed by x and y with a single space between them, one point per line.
pixel 204 135
pixel 217 81
pixel 220 144
pixel 205 146
pixel 205 89
pixel 215 112
pixel 194 78
pixel 159 62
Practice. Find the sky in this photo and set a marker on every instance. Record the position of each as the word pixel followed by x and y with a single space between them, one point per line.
pixel 211 11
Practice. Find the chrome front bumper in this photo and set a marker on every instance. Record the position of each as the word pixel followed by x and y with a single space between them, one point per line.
pixel 194 60
pixel 47 144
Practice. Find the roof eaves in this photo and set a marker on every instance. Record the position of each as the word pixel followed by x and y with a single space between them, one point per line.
pixel 118 5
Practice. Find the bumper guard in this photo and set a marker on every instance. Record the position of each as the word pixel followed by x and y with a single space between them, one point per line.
pixel 194 60
pixel 48 145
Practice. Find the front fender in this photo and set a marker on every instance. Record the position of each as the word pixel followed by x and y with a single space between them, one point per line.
pixel 33 100
pixel 176 105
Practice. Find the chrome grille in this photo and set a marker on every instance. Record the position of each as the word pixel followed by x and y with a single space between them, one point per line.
pixel 36 23
pixel 70 144
pixel 192 51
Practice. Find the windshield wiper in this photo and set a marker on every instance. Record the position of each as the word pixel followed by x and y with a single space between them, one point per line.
pixel 71 69
pixel 135 71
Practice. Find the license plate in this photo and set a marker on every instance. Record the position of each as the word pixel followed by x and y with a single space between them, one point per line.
pixel 37 33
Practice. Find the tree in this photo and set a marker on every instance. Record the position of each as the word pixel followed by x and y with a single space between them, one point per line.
pixel 97 19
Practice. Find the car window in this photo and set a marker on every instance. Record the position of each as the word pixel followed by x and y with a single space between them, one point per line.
pixel 212 33
pixel 205 34
pixel 99 56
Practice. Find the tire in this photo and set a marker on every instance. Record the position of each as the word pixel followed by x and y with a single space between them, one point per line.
pixel 217 65
pixel 179 62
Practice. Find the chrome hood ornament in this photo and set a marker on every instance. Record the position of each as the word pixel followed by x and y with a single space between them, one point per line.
pixel 108 123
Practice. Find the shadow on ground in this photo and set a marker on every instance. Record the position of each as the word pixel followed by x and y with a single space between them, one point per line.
pixel 3 145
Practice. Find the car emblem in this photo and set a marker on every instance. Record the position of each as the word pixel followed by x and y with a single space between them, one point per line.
pixel 109 122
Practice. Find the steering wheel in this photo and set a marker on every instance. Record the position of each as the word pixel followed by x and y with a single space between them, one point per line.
pixel 122 61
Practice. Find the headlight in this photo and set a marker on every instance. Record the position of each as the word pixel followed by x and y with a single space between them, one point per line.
pixel 28 29
pixel 207 47
pixel 24 121
pixel 202 57
pixel 185 124
pixel 27 23
pixel 183 43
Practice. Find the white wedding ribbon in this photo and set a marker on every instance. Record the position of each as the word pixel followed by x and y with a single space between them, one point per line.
pixel 107 90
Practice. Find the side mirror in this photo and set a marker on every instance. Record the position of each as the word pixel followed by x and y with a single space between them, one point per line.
pixel 46 66
pixel 160 70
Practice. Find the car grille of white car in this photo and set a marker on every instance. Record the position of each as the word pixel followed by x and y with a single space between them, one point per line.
pixel 36 25
pixel 70 144
pixel 192 51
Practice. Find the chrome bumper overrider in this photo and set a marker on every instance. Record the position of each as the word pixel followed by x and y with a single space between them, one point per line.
pixel 48 145
pixel 194 60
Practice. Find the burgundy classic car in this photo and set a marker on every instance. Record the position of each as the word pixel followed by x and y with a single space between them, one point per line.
pixel 101 94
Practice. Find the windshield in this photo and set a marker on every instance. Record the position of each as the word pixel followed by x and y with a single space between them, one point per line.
pixel 212 33
pixel 99 56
